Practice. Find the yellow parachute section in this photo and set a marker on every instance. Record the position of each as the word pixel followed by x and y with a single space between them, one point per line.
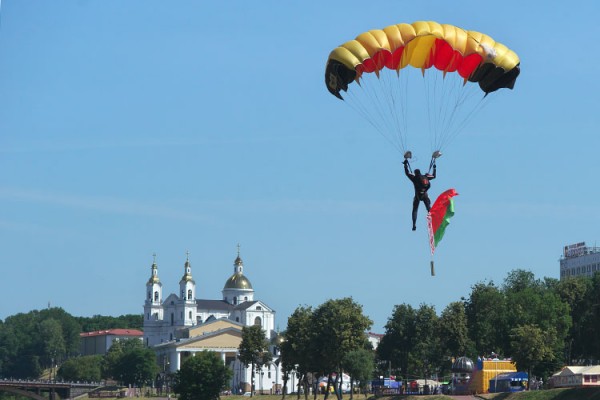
pixel 475 56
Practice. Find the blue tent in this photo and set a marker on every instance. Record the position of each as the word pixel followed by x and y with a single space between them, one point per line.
pixel 509 382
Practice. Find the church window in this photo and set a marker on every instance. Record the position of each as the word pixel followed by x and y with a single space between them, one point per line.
pixel 149 296
pixel 237 319
pixel 148 316
pixel 269 373
pixel 172 319
pixel 257 321
pixel 246 298
pixel 259 308
pixel 156 296
pixel 234 300
pixel 190 317
pixel 189 294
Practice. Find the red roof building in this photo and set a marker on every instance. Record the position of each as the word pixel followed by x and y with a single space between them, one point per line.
pixel 98 342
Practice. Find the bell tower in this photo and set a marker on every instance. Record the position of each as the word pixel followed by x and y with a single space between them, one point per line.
pixel 153 306
pixel 187 289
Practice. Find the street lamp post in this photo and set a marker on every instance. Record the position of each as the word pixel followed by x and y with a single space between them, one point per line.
pixel 165 380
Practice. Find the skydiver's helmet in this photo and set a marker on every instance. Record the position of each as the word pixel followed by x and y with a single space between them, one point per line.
pixel 417 172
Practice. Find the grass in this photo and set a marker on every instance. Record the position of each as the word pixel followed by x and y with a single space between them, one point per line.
pixel 551 394
pixel 332 397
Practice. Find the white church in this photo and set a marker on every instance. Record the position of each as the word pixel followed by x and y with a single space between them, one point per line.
pixel 180 325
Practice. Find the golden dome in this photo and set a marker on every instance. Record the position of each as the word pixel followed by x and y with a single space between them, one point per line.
pixel 154 276
pixel 238 281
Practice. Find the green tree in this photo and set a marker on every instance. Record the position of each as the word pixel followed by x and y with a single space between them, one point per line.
pixel 52 341
pixel 202 377
pixel 296 353
pixel 453 334
pixel 129 362
pixel 426 355
pixel 252 349
pixel 486 318
pixel 101 322
pixel 85 368
pixel 29 343
pixel 359 364
pixel 8 349
pixel 533 302
pixel 531 345
pixel 137 366
pixel 590 321
pixel 453 330
pixel 574 292
pixel 340 327
pixel 69 326
pixel 399 340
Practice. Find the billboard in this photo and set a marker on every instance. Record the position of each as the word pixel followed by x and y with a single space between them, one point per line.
pixel 574 250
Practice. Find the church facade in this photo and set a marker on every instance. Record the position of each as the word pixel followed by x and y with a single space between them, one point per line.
pixel 179 325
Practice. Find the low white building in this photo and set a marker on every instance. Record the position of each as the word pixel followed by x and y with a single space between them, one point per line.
pixel 99 342
pixel 576 376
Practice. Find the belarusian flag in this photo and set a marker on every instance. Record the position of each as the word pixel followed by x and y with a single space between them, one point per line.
pixel 439 217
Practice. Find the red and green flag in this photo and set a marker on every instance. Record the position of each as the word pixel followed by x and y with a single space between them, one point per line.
pixel 439 217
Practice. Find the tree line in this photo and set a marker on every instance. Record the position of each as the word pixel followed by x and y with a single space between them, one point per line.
pixel 38 340
pixel 541 324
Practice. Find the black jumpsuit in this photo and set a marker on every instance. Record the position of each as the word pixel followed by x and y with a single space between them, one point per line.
pixel 421 184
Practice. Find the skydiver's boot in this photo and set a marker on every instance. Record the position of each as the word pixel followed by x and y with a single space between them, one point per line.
pixel 414 228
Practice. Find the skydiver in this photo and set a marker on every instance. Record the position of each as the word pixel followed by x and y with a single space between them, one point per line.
pixel 421 184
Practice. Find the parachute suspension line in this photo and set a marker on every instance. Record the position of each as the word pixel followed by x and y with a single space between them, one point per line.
pixel 363 105
pixel 440 92
pixel 450 106
pixel 382 99
pixel 468 111
pixel 402 111
pixel 431 164
pixel 468 117
pixel 392 108
pixel 383 105
pixel 397 106
pixel 433 105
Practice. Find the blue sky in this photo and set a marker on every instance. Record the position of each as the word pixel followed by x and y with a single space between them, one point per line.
pixel 129 128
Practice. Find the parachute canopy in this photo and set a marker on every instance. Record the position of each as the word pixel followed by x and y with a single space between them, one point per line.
pixel 476 57
pixel 406 100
